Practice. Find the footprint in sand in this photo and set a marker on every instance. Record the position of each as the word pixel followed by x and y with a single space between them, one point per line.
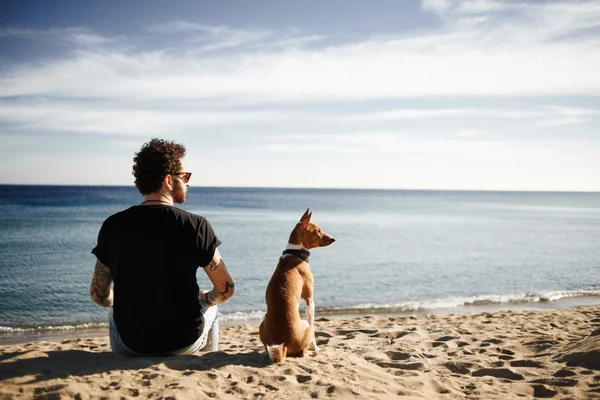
pixel 505 358
pixel 391 335
pixel 462 368
pixel 325 335
pixel 131 392
pixel 303 378
pixel 416 366
pixel 540 345
pixel 588 372
pixel 446 338
pixel 151 376
pixel 556 382
pixel 353 331
pixel 270 387
pixel 307 369
pixel 527 364
pixel 504 373
pixel 492 341
pixel 541 391
pixel 564 373
pixel 397 355
pixel 44 391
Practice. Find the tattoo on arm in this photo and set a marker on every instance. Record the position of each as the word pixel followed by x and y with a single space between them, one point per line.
pixel 228 285
pixel 213 264
pixel 100 286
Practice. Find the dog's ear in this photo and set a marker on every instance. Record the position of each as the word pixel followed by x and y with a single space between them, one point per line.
pixel 306 217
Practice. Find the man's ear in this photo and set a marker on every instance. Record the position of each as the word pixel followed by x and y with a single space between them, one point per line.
pixel 168 181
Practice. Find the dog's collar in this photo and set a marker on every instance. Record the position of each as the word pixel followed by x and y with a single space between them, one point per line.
pixel 302 254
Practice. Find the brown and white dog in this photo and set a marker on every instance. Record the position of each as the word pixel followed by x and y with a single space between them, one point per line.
pixel 282 331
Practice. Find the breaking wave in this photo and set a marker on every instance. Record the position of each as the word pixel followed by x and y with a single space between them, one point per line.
pixel 455 303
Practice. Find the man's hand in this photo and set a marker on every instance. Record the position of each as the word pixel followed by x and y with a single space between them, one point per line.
pixel 207 297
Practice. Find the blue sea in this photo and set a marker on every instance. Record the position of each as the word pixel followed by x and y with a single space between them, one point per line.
pixel 396 251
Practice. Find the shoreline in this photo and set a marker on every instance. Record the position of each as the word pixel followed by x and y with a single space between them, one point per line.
pixel 11 338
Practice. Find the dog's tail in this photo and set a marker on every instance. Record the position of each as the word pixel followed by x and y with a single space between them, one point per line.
pixel 277 352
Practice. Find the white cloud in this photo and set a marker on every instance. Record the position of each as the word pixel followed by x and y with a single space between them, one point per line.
pixel 559 116
pixel 72 36
pixel 562 121
pixel 446 7
pixel 176 26
pixel 482 6
pixel 545 116
pixel 436 6
pixel 213 37
pixel 404 114
pixel 526 55
pixel 120 120
pixel 205 38
pixel 469 144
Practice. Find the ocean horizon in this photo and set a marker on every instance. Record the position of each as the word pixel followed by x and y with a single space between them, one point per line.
pixel 396 251
pixel 375 189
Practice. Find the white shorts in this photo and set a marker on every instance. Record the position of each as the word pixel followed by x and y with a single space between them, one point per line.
pixel 210 323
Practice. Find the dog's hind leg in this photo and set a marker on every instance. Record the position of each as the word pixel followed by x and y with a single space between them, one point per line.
pixel 310 316
pixel 277 352
pixel 263 337
pixel 306 339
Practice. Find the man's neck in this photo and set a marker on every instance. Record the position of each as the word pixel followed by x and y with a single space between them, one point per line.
pixel 158 198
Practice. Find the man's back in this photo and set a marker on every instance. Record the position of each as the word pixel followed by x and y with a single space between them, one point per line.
pixel 153 252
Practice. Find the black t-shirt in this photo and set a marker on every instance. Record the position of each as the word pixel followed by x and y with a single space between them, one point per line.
pixel 153 253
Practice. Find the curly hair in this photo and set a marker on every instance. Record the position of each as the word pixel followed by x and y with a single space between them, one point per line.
pixel 154 161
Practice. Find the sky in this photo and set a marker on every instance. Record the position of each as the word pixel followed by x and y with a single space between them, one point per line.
pixel 429 94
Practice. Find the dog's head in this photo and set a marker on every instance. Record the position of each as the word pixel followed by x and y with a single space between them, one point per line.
pixel 308 234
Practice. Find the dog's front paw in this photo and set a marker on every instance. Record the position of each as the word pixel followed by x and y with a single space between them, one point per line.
pixel 314 347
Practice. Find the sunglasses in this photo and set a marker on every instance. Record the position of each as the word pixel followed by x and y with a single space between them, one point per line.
pixel 185 176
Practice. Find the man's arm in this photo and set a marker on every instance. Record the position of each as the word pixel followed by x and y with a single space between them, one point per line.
pixel 100 291
pixel 224 285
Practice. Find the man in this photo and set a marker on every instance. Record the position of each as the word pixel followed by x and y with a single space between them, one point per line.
pixel 151 252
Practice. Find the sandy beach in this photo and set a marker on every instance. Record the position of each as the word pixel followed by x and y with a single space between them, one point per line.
pixel 501 355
